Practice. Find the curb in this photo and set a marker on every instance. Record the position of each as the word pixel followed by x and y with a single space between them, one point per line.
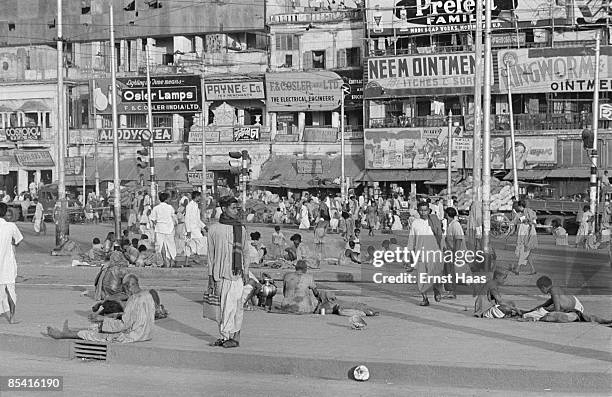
pixel 413 373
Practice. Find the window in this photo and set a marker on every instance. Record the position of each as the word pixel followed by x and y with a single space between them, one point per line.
pixel 286 42
pixel 348 57
pixel 168 59
pixel 288 61
pixel 162 120
pixel 318 59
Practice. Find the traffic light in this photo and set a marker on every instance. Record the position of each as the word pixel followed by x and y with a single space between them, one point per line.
pixel 142 161
pixel 587 139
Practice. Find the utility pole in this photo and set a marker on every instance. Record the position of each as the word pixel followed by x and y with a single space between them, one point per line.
pixel 343 187
pixel 512 136
pixel 594 154
pixel 62 225
pixel 95 117
pixel 116 178
pixel 486 141
pixel 449 154
pixel 150 125
pixel 203 117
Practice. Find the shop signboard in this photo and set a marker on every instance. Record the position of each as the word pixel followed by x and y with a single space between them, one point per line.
pixel 554 70
pixel 320 134
pixel 34 158
pixel 407 148
pixel 411 17
pixel 196 136
pixel 426 74
pixel 309 167
pixel 195 177
pixel 17 134
pixel 354 78
pixel 498 154
pixel 82 136
pixel 134 135
pixel 169 94
pixel 508 39
pixel 246 133
pixel 229 90
pixel 605 111
pixel 73 165
pixel 303 91
pixel 532 152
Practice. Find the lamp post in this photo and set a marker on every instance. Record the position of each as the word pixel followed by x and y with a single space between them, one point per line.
pixel 512 136
pixel 594 126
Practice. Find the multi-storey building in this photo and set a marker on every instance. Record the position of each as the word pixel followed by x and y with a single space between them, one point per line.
pixel 421 65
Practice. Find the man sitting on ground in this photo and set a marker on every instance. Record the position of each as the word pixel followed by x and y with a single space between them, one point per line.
pixel 96 255
pixel 299 291
pixel 136 323
pixel 489 303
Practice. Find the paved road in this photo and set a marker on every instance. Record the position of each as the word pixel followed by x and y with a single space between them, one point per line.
pixel 91 378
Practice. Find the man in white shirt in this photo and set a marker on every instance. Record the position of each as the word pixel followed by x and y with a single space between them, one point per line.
pixel 163 219
pixel 196 243
pixel 10 237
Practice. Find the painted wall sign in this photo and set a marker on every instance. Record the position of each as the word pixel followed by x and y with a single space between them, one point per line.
pixel 169 94
pixel 320 134
pixel 224 91
pixel 246 134
pixel 196 136
pixel 16 134
pixel 532 152
pixel 508 39
pixel 309 167
pixel 303 91
pixel 498 154
pixel 135 134
pixel 34 158
pixel 554 69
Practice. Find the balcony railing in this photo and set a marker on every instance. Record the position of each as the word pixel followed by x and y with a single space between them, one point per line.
pixel 316 16
pixel 324 133
pixel 413 122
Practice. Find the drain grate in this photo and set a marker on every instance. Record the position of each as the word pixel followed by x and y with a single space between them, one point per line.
pixel 89 350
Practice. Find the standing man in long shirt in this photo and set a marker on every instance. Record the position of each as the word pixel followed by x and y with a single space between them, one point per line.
pixel 227 270
pixel 164 219
pixel 10 237
pixel 196 243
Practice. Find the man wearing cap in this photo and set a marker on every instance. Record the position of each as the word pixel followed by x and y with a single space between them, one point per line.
pixel 227 269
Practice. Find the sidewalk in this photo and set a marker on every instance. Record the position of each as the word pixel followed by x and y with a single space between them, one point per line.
pixel 440 345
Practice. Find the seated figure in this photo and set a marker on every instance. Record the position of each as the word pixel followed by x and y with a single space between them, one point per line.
pixel 299 291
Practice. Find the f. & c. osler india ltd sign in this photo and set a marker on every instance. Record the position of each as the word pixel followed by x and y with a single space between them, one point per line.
pixel 134 135
pixel 169 94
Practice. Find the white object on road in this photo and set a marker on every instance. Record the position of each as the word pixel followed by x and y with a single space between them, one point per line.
pixel 361 373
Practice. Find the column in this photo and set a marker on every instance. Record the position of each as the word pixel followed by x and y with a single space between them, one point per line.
pixel 301 124
pixel 335 120
pixel 272 124
pixel 22 181
pixel 241 117
pixel 178 123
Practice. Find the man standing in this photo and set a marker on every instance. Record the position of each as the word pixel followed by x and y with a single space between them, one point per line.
pixel 164 219
pixel 227 270
pixel 39 218
pixel 10 237
pixel 196 243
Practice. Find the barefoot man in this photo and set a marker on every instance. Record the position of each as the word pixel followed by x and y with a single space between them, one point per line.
pixel 10 237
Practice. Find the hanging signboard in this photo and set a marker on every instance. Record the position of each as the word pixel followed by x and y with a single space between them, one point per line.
pixel 354 78
pixel 532 152
pixel 169 94
pixel 411 75
pixel 73 165
pixel 224 91
pixel 34 158
pixel 303 91
pixel 16 134
pixel 135 135
pixel 309 167
pixel 554 70
pixel 195 177
pixel 246 133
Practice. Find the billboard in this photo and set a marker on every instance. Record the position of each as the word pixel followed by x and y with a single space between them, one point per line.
pixel 420 75
pixel 498 154
pixel 229 90
pixel 408 17
pixel 532 152
pixel 554 70
pixel 16 134
pixel 134 135
pixel 169 94
pixel 407 148
pixel 303 91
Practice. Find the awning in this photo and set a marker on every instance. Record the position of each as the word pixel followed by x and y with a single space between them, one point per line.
pixel 402 175
pixel 213 166
pixel 165 170
pixel 5 109
pixel 34 158
pixel 443 181
pixel 34 106
pixel 10 157
pixel 282 171
pixel 529 175
pixel 577 173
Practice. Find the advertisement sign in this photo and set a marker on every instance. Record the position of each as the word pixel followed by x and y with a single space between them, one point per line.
pixel 420 75
pixel 554 70
pixel 73 165
pixel 34 158
pixel 463 144
pixel 135 134
pixel 354 78
pixel 404 148
pixel 605 111
pixel 508 39
pixel 16 134
pixel 196 136
pixel 406 17
pixel 4 167
pixel 303 91
pixel 320 134
pixel 224 91
pixel 498 154
pixel 82 136
pixel 309 167
pixel 532 152
pixel 246 134
pixel 169 94
pixel 195 177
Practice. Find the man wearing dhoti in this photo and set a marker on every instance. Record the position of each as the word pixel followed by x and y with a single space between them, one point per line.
pixel 39 218
pixel 227 271
pixel 425 241
pixel 164 219
pixel 527 237
pixel 196 243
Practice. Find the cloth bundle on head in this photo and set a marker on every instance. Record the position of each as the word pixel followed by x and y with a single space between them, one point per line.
pixel 237 233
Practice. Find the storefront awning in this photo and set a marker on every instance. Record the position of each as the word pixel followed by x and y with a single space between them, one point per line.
pixel 529 175
pixel 401 175
pixel 165 170
pixel 577 173
pixel 34 158
pixel 288 171
pixel 10 157
pixel 34 106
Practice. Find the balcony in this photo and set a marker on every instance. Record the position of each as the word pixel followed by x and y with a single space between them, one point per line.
pixel 316 17
pixel 222 134
pixel 547 121
pixel 413 122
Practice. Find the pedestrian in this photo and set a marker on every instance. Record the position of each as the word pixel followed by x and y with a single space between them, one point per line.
pixel 10 237
pixel 320 231
pixel 164 220
pixel 196 243
pixel 228 271
pixel 304 217
pixel 455 244
pixel 559 233
pixel 133 215
pixel 278 243
pixel 584 228
pixel 39 218
pixel 372 217
pixel 527 239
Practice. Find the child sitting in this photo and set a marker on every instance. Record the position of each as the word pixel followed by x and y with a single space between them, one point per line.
pixel 560 308
pixel 559 233
pixel 96 253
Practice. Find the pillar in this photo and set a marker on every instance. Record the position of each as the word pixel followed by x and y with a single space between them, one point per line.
pixel 272 124
pixel 335 120
pixel 22 181
pixel 301 124
pixel 178 123
pixel 241 117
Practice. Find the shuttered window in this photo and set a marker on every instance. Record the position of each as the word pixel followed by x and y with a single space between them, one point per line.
pixel 307 64
pixel 285 42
